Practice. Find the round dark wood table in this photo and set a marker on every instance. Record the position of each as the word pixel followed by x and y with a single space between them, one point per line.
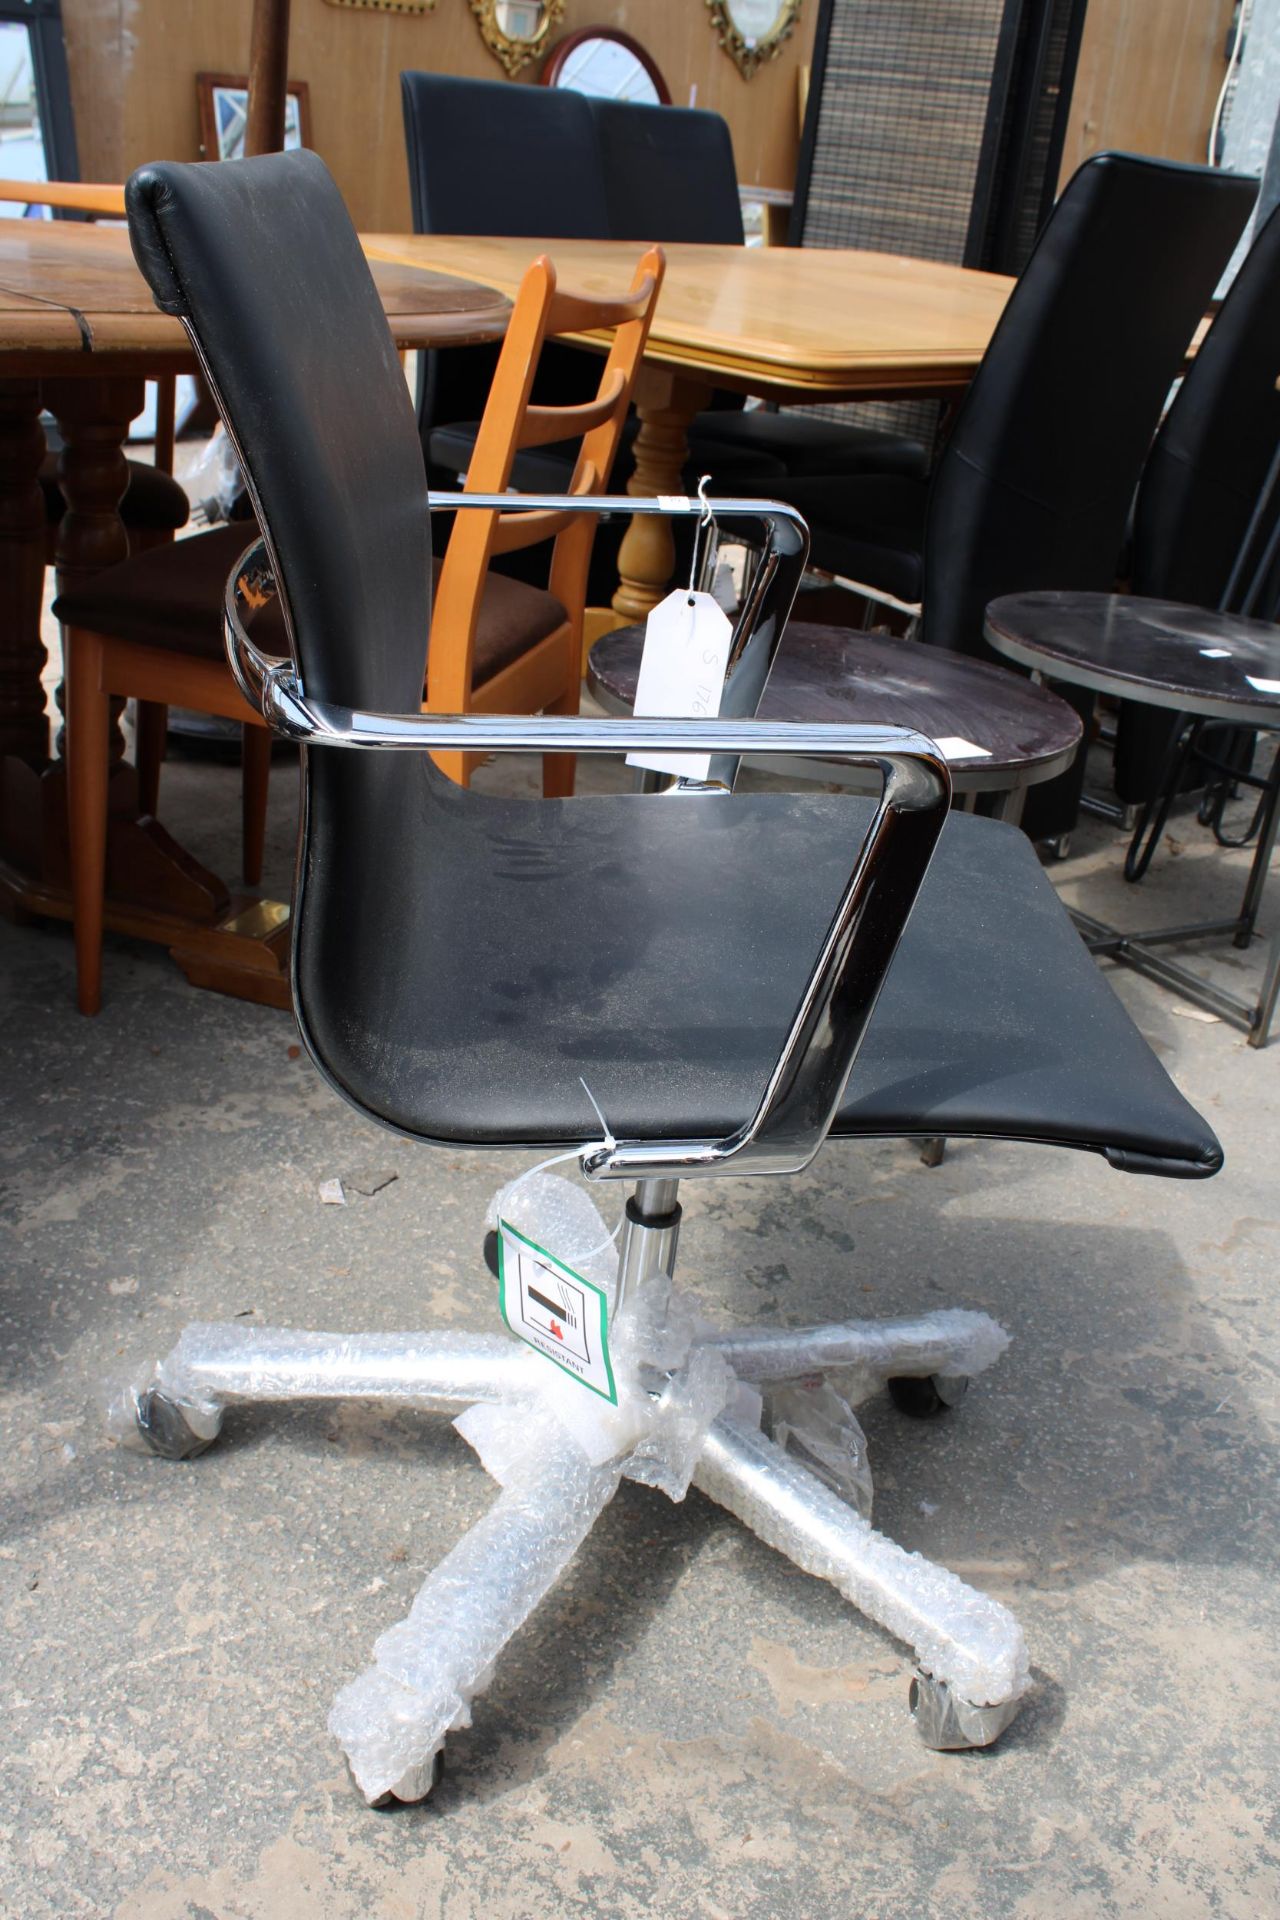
pixel 999 732
pixel 1208 666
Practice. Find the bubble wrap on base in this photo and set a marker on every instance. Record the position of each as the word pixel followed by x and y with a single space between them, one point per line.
pixel 959 1635
pixel 430 1665
pixel 213 1367
pixel 811 1420
pixel 949 1341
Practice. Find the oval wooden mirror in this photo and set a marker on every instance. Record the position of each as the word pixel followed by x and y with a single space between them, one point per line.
pixel 608 64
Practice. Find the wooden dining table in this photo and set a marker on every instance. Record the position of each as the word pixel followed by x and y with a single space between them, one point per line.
pixel 79 336
pixel 794 325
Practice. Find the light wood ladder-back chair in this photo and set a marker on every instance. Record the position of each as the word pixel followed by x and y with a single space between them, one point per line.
pixel 524 672
pixel 151 628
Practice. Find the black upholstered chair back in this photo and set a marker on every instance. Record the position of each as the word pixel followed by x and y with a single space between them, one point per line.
pixel 669 173
pixel 1034 485
pixel 486 157
pixel 260 258
pixel 1215 446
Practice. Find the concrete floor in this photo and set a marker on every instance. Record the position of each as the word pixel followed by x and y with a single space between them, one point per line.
pixel 690 1729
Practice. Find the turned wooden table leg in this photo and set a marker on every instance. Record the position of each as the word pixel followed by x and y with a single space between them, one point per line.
pixel 666 403
pixel 93 418
pixel 24 730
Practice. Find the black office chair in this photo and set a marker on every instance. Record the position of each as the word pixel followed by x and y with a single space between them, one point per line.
pixel 1202 484
pixel 1034 485
pixel 485 157
pixel 710 966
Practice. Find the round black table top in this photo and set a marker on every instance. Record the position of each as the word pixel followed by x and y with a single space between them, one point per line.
pixel 1218 665
pixel 1017 733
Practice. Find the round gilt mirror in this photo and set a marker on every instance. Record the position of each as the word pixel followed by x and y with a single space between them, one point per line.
pixel 752 31
pixel 609 65
pixel 516 31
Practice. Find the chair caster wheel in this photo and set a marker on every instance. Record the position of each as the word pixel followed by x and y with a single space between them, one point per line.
pixel 415 1787
pixel 949 1724
pixel 491 1252
pixel 165 1428
pixel 925 1399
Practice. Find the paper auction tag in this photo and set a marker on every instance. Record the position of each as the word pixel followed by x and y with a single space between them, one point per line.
pixel 555 1311
pixel 952 747
pixel 682 668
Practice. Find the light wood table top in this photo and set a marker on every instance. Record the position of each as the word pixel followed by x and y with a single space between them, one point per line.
pixel 70 291
pixel 795 323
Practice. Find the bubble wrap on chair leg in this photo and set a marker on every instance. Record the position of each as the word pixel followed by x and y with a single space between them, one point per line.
pixel 430 1665
pixel 960 1636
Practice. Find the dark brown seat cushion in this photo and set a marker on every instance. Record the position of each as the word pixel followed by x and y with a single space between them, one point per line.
pixel 171 597
pixel 153 500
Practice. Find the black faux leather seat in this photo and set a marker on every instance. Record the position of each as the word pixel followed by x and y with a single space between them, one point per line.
pixel 665 974
pixel 548 469
pixel 873 529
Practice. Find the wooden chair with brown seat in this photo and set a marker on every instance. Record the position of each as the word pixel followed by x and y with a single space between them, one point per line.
pixel 151 627
pixel 533 662
pixel 154 506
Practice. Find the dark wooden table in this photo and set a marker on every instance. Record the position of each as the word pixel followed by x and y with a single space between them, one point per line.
pixel 79 336
pixel 1215 666
pixel 1017 733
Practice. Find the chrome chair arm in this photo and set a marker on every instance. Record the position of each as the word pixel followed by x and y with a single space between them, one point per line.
pixel 807 1082
pixel 777 531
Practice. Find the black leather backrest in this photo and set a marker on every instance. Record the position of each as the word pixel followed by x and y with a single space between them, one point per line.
pixel 669 173
pixel 260 259
pixel 1217 442
pixel 487 157
pixel 1035 482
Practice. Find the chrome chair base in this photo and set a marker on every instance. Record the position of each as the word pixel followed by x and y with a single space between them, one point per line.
pixel 966 1643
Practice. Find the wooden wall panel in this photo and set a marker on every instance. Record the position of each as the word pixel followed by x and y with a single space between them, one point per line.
pixel 133 66
pixel 1149 76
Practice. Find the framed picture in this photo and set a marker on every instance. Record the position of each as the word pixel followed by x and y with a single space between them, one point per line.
pixel 224 106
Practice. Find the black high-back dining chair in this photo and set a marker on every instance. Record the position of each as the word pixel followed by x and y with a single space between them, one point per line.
pixel 614 170
pixel 734 978
pixel 486 157
pixel 670 172
pixel 1035 481
pixel 1204 481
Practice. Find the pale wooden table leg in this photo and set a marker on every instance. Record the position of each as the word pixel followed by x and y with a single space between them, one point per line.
pixel 666 403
